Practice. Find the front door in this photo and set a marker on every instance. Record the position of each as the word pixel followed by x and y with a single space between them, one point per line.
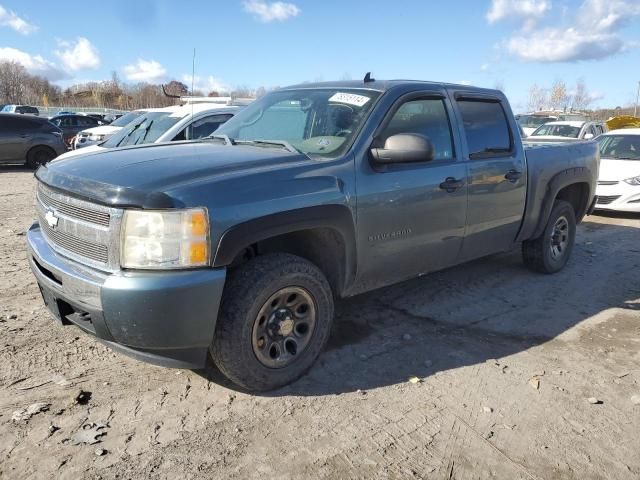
pixel 496 177
pixel 411 217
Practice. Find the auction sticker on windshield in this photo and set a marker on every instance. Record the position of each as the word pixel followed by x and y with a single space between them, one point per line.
pixel 350 99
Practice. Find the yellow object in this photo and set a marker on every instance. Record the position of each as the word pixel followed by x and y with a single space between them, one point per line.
pixel 198 223
pixel 623 121
pixel 198 252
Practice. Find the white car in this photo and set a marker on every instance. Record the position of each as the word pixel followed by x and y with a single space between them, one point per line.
pixel 159 125
pixel 95 135
pixel 567 131
pixel 619 179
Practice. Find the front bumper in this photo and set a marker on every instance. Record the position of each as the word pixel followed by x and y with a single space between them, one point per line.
pixel 620 197
pixel 165 318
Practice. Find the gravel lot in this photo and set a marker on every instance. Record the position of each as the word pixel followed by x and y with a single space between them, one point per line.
pixel 506 363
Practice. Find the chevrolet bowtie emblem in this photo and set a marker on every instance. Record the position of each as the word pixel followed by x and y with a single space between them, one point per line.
pixel 51 219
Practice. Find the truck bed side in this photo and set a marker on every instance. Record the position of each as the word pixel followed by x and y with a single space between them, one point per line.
pixel 558 171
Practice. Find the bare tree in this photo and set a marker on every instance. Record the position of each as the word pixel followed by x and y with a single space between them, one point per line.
pixel 581 97
pixel 12 80
pixel 558 97
pixel 537 98
pixel 499 85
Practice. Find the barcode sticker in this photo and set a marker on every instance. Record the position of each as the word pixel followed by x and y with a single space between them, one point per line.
pixel 350 99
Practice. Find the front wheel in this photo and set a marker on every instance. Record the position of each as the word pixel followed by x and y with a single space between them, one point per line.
pixel 550 252
pixel 39 156
pixel 274 321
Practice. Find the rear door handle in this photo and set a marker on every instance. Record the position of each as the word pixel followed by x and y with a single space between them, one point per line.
pixel 513 176
pixel 451 184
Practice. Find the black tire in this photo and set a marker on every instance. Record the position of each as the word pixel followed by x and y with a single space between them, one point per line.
pixel 39 156
pixel 549 253
pixel 236 351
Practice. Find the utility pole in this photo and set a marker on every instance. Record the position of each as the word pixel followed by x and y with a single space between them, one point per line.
pixel 635 109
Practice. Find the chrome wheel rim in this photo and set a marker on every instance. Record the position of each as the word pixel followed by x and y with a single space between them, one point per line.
pixel 284 327
pixel 559 238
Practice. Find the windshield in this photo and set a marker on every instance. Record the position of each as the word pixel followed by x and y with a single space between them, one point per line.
pixel 125 120
pixel 145 129
pixel 620 147
pixel 314 121
pixel 533 121
pixel 557 131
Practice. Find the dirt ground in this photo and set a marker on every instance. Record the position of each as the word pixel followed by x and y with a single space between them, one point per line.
pixel 505 364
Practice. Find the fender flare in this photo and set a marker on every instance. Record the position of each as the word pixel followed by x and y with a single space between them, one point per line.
pixel 332 216
pixel 558 182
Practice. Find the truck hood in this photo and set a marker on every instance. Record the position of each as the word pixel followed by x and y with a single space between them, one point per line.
pixel 79 151
pixel 618 170
pixel 141 176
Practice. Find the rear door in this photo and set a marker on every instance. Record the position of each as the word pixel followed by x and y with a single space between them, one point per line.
pixel 496 174
pixel 409 221
pixel 16 134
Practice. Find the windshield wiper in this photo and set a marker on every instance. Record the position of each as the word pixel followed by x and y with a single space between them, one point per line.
pixel 275 143
pixel 221 136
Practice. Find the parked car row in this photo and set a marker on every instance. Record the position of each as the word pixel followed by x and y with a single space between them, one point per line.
pixel 157 125
pixel 43 140
pixel 567 131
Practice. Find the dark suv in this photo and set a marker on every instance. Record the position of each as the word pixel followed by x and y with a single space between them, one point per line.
pixel 71 125
pixel 28 138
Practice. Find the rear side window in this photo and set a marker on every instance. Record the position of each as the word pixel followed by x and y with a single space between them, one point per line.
pixel 23 124
pixel 486 128
pixel 27 110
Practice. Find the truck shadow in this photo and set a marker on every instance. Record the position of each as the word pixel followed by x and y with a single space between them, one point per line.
pixel 483 310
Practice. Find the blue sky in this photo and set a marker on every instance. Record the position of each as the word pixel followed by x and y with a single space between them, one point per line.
pixel 252 43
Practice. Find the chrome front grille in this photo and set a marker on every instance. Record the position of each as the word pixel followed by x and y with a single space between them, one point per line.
pixel 83 231
pixel 74 211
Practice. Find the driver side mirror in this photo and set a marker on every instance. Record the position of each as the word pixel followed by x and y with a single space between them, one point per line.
pixel 404 148
pixel 588 136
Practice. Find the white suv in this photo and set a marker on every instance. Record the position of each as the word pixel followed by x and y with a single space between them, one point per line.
pixel 158 125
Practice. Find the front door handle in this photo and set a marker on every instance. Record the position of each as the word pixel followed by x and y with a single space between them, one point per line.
pixel 513 176
pixel 451 184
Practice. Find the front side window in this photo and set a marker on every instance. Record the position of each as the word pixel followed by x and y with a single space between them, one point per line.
pixel 426 117
pixel 318 122
pixel 486 128
pixel 206 126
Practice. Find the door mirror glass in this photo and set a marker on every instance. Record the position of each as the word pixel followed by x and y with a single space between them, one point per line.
pixel 404 148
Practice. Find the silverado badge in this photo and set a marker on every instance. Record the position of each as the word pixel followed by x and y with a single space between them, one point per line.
pixel 51 219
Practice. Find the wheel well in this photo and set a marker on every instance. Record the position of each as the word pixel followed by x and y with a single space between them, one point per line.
pixel 324 247
pixel 577 194
pixel 46 147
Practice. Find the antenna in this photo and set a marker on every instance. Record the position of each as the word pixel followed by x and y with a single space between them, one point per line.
pixel 193 76
pixel 367 78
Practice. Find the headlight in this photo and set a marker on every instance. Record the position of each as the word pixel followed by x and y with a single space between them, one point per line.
pixel 633 181
pixel 155 239
pixel 96 138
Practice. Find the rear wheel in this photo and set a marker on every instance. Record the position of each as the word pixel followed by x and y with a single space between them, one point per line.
pixel 274 321
pixel 39 156
pixel 550 252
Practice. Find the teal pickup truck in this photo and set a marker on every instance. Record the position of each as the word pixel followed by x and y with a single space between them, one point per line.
pixel 236 246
